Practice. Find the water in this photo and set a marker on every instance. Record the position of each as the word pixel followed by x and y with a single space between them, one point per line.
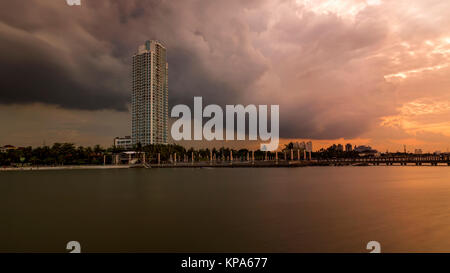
pixel 317 209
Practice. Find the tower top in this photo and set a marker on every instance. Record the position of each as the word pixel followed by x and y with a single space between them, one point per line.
pixel 149 46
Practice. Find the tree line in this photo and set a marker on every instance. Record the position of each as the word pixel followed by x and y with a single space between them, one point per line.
pixel 69 154
pixel 58 154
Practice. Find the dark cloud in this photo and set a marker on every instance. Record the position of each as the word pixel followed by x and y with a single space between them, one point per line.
pixel 79 57
pixel 33 71
pixel 325 68
pixel 190 79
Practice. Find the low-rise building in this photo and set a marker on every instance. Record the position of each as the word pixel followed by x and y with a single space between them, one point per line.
pixel 363 149
pixel 299 146
pixel 303 146
pixel 123 142
pixel 7 148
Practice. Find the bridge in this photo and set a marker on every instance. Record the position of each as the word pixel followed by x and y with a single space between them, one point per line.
pixel 145 161
pixel 418 160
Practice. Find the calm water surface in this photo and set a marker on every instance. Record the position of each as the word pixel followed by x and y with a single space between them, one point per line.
pixel 322 209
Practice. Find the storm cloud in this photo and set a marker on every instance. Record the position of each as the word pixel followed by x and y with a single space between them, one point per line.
pixel 335 69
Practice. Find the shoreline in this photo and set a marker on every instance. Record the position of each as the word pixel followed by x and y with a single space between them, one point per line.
pixel 294 164
pixel 71 167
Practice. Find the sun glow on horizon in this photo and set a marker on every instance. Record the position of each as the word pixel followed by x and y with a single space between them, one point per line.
pixel 422 118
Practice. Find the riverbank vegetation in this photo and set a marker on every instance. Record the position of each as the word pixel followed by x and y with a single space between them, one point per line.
pixel 68 154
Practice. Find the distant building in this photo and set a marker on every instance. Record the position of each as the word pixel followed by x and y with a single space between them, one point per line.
pixel 309 146
pixel 123 142
pixel 299 146
pixel 348 147
pixel 302 146
pixel 364 149
pixel 418 151
pixel 340 148
pixel 149 102
pixel 7 148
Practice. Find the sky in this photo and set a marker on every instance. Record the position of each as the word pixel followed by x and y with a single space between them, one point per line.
pixel 373 72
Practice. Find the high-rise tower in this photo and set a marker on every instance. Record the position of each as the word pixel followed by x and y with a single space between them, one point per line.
pixel 149 102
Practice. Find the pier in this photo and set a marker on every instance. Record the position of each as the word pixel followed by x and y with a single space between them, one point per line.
pixel 417 160
pixel 249 161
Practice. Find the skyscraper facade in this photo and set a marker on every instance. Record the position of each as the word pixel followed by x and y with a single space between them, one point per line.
pixel 149 102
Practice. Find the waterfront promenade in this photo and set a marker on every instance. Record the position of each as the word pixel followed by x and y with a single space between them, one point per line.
pixel 432 160
pixel 71 167
pixel 372 161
